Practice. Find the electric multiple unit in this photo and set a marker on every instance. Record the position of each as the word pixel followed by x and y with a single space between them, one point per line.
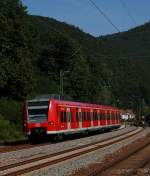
pixel 46 116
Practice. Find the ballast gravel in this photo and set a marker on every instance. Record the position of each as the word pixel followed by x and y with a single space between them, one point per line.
pixel 24 154
pixel 68 167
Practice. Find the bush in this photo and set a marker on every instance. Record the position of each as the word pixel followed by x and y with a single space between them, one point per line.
pixel 12 111
pixel 8 132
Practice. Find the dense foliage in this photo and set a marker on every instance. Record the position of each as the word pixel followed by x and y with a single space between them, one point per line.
pixel 110 70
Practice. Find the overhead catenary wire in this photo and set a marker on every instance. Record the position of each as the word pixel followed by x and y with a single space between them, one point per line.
pixel 128 12
pixel 104 15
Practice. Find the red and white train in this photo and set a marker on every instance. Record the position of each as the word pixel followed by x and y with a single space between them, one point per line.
pixel 47 116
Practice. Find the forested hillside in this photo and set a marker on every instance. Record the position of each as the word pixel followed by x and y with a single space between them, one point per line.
pixel 110 69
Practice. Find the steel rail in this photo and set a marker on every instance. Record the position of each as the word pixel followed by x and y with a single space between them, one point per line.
pixel 49 160
pixel 25 145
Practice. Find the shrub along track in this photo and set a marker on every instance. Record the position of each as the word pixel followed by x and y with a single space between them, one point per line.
pixel 51 159
pixel 131 160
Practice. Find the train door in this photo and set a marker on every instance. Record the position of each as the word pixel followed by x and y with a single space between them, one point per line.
pixel 88 118
pixel 74 118
pixel 68 119
pixel 113 117
pixel 106 117
pixel 95 118
pixel 101 117
pixel 62 119
pixel 84 118
pixel 92 124
pixel 80 118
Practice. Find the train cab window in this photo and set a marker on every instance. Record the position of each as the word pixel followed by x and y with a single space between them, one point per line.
pixel 106 115
pixel 63 116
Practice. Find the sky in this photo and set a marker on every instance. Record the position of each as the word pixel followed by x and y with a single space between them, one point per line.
pixel 124 14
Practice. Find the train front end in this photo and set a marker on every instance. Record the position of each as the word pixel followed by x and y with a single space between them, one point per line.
pixel 35 120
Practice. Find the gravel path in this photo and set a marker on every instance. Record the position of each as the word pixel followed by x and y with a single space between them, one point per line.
pixel 21 155
pixel 68 167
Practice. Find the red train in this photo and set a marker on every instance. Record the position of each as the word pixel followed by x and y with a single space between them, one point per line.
pixel 46 116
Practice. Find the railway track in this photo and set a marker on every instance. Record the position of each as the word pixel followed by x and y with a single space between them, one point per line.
pixel 19 145
pixel 133 160
pixel 56 158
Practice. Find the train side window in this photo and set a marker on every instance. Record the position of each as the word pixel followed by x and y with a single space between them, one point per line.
pixel 109 116
pixel 77 116
pixel 113 116
pixel 63 117
pixel 118 116
pixel 88 116
pixel 105 115
pixel 83 116
pixel 70 116
pixel 95 116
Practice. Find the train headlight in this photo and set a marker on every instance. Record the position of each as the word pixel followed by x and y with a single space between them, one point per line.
pixel 51 123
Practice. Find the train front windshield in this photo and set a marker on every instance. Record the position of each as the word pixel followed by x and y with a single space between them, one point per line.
pixel 38 111
pixel 38 115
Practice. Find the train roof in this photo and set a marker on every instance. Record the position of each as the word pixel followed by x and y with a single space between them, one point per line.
pixel 71 103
